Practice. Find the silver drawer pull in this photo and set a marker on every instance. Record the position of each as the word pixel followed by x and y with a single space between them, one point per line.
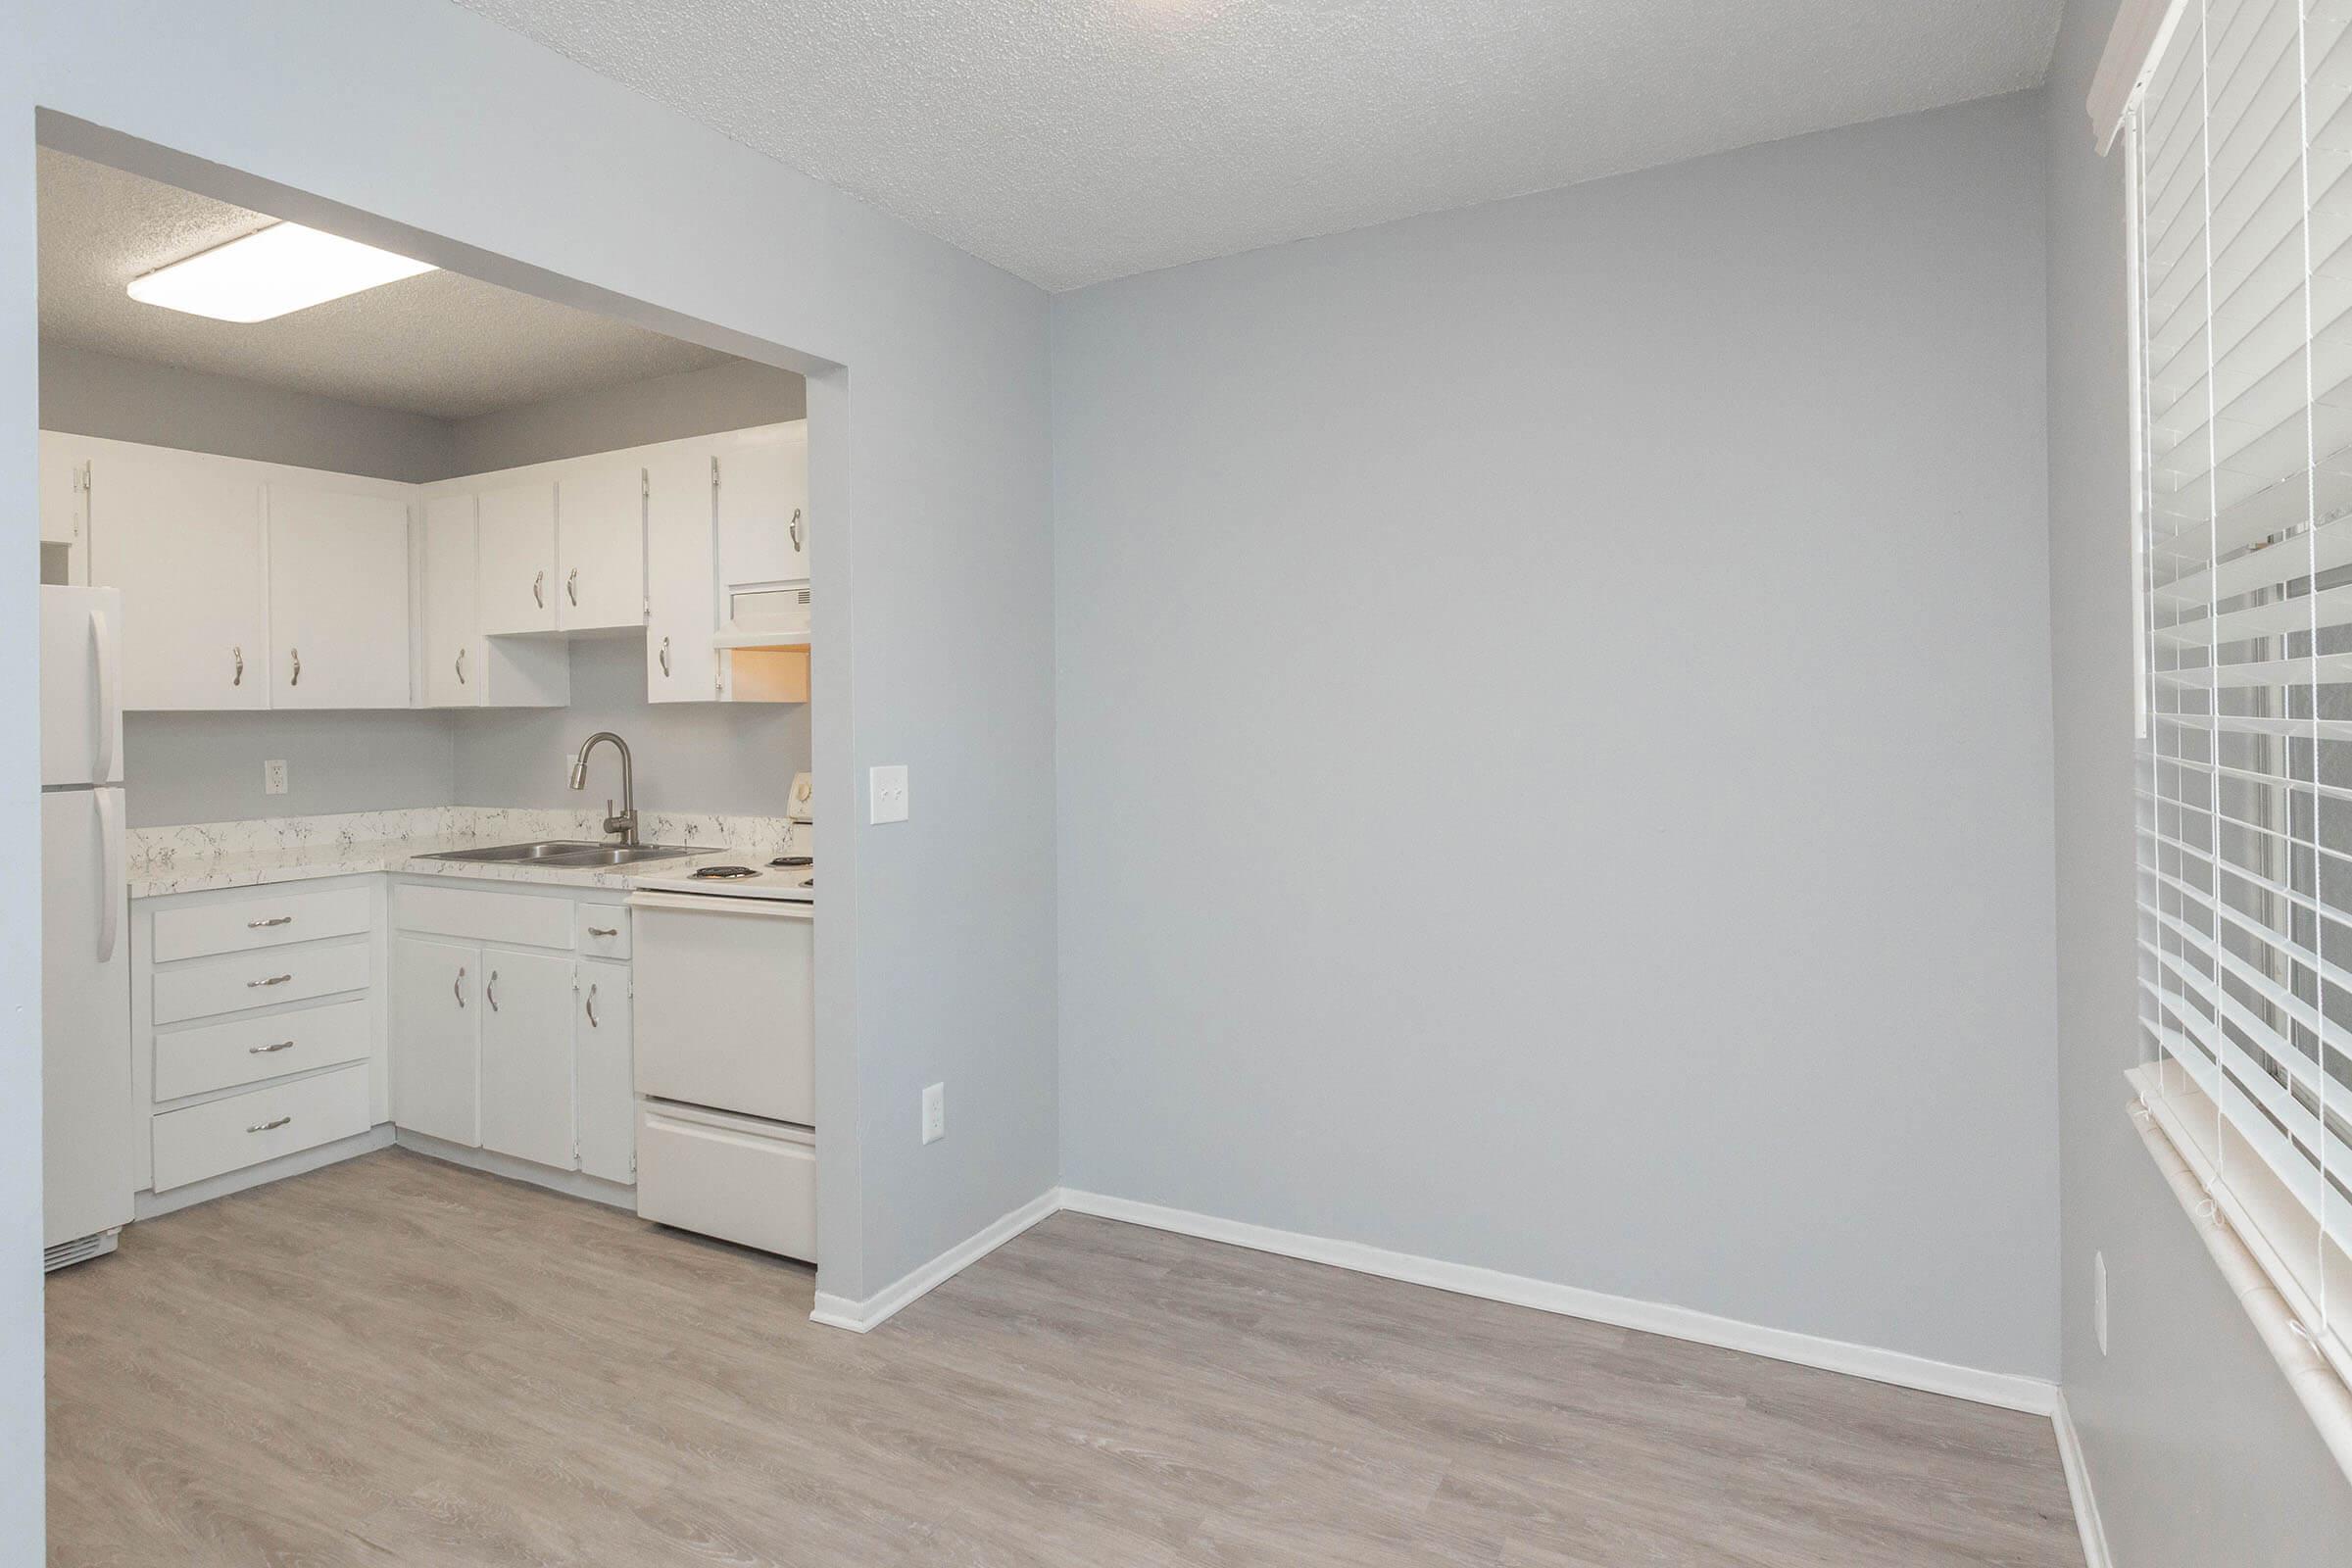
pixel 539 590
pixel 592 1023
pixel 264 925
pixel 273 980
pixel 604 930
pixel 490 991
pixel 269 1126
pixel 571 585
pixel 264 1051
pixel 457 986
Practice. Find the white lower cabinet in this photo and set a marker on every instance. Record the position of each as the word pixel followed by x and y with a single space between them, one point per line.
pixel 505 1037
pixel 436 1044
pixel 526 1024
pixel 607 1069
pixel 258 1029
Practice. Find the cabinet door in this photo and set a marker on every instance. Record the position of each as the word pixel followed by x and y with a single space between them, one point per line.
pixel 608 1073
pixel 527 1055
pixel 65 526
pixel 436 1040
pixel 681 589
pixel 517 541
pixel 763 499
pixel 453 673
pixel 600 527
pixel 338 599
pixel 181 534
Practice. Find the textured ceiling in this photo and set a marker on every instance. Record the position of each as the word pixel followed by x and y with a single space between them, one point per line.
pixel 441 344
pixel 1074 140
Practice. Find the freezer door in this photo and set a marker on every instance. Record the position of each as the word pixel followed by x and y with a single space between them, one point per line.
pixel 724 1004
pixel 86 1016
pixel 82 690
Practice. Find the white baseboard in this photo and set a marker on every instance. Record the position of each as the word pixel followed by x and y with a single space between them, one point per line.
pixel 570 1182
pixel 154 1205
pixel 838 1312
pixel 2077 1487
pixel 2007 1391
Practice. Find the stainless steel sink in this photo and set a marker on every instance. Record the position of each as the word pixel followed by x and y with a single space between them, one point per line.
pixel 567 851
pixel 624 854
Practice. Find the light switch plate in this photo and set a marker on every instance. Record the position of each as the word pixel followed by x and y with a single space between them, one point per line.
pixel 886 794
pixel 274 777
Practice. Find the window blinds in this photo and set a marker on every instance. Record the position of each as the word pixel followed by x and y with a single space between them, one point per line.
pixel 2241 143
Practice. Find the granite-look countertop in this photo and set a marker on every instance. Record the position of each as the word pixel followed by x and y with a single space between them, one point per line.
pixel 199 856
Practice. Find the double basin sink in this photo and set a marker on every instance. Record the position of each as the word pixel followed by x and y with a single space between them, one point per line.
pixel 576 854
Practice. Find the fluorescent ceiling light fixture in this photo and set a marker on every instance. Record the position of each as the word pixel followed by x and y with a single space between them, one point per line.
pixel 279 269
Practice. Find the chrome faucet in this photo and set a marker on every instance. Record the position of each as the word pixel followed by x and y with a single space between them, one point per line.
pixel 624 822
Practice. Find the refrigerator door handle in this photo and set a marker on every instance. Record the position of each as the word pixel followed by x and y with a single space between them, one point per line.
pixel 110 695
pixel 109 893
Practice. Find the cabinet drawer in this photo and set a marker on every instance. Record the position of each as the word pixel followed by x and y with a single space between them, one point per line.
pixel 514 918
pixel 259 980
pixel 243 1130
pixel 269 920
pixel 246 1050
pixel 734 1177
pixel 604 930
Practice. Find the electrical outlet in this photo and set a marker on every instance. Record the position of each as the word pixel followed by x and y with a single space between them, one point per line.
pixel 274 777
pixel 886 794
pixel 935 1113
pixel 2098 1297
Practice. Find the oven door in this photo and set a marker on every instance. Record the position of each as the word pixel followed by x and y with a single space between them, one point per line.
pixel 723 1008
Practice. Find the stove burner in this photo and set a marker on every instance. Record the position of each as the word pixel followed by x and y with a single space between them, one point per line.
pixel 794 859
pixel 724 873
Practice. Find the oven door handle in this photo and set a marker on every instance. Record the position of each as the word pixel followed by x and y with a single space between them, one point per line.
pixel 722 903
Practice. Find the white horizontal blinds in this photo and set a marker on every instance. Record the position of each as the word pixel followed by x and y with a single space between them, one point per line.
pixel 2244 141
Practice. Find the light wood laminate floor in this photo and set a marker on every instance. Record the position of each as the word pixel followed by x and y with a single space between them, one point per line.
pixel 394 1361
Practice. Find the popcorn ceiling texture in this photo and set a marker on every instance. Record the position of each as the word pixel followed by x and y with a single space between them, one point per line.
pixel 1070 141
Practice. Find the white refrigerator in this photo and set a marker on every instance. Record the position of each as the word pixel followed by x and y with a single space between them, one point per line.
pixel 85 968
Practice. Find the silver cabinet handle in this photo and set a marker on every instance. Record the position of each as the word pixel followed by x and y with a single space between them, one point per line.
pixel 604 930
pixel 592 1023
pixel 794 529
pixel 264 925
pixel 271 1125
pixel 264 1051
pixel 490 991
pixel 664 656
pixel 273 980
pixel 457 986
pixel 539 590
pixel 237 675
pixel 297 653
pixel 460 666
pixel 571 585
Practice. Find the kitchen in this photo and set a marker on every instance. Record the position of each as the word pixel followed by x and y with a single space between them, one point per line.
pixel 425 733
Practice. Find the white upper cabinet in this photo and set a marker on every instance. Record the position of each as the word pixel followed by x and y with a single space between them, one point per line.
pixel 680 582
pixel 600 527
pixel 338 598
pixel 519 588
pixel 181 534
pixel 762 504
pixel 450 619
pixel 65 522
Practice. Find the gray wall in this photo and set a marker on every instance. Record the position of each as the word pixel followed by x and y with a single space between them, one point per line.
pixel 2198 1452
pixel 664 407
pixel 936 956
pixel 89 393
pixel 207 767
pixel 688 757
pixel 1553 742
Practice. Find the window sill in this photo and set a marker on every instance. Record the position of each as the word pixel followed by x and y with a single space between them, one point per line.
pixel 2235 1220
